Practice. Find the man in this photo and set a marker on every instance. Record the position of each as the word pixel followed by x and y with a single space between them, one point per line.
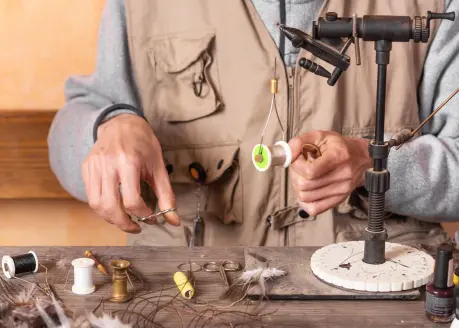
pixel 186 83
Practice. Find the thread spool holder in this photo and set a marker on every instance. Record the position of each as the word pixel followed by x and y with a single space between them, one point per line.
pixel 120 293
pixel 9 265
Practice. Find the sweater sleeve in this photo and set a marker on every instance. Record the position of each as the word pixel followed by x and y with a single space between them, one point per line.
pixel 71 134
pixel 425 171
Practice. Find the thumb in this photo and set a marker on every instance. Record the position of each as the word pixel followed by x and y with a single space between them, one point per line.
pixel 160 183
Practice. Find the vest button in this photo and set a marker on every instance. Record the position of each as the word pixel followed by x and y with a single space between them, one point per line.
pixel 303 214
pixel 331 16
pixel 197 172
pixel 169 168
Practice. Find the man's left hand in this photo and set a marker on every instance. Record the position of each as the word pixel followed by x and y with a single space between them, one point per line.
pixel 325 182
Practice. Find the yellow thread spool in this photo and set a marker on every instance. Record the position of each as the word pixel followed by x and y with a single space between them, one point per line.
pixel 184 285
pixel 274 86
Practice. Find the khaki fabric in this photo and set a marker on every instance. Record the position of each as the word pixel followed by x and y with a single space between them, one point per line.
pixel 203 69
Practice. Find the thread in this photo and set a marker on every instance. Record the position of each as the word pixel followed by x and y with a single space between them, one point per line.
pixel 16 265
pixel 376 212
pixel 82 270
pixel 264 157
pixel 184 285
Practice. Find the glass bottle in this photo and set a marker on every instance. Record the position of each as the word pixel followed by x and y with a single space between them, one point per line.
pixel 440 300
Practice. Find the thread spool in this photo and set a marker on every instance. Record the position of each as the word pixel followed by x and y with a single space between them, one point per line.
pixel 264 157
pixel 82 269
pixel 16 265
pixel 184 285
pixel 120 292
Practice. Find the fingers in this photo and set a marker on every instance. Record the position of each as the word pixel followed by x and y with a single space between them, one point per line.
pixel 129 173
pixel 110 206
pixel 332 146
pixel 300 183
pixel 158 179
pixel 321 206
pixel 334 189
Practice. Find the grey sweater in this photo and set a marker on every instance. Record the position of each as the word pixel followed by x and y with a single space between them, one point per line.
pixel 424 172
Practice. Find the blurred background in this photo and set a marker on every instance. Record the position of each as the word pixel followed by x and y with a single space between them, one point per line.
pixel 42 42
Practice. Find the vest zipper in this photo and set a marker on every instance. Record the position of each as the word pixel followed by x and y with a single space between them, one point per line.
pixel 290 122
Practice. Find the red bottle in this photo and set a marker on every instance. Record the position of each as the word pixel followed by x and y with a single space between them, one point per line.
pixel 440 300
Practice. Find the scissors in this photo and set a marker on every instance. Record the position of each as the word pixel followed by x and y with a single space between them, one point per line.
pixel 223 268
pixel 227 265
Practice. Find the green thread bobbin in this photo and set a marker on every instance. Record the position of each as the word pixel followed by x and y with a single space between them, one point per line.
pixel 266 157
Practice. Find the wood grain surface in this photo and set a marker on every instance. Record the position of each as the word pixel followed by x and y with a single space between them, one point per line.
pixel 300 282
pixel 157 266
pixel 24 163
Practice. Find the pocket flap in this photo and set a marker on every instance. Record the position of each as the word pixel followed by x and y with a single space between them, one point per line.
pixel 175 53
pixel 215 160
pixel 286 217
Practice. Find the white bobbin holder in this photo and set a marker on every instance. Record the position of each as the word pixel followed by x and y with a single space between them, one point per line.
pixel 342 265
pixel 9 268
pixel 83 283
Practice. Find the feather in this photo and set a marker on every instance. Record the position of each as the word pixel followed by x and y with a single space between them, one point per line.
pixel 62 264
pixel 25 296
pixel 106 321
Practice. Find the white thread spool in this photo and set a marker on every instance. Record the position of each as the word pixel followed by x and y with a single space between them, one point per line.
pixel 278 155
pixel 83 283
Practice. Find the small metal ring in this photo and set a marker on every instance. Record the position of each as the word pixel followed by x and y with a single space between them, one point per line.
pixel 213 264
pixel 231 266
pixel 180 267
pixel 200 82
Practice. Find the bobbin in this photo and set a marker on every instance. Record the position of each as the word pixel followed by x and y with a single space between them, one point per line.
pixel 83 284
pixel 263 157
pixel 9 266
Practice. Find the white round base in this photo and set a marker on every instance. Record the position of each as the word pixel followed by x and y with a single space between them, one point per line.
pixel 342 265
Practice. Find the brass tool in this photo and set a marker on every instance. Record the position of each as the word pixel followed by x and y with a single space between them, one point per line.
pixel 120 292
pixel 99 265
pixel 404 138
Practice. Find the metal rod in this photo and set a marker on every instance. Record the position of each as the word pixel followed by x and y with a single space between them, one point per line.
pixel 380 112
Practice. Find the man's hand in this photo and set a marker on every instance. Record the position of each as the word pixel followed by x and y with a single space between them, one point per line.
pixel 126 152
pixel 325 182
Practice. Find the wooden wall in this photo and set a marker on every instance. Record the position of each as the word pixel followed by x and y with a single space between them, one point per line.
pixel 42 43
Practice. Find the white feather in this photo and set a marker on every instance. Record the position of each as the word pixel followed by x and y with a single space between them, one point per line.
pixel 271 273
pixel 106 322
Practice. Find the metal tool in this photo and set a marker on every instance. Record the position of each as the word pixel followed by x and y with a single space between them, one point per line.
pixel 156 216
pixel 199 175
pixel 223 268
pixel 383 30
pixel 120 292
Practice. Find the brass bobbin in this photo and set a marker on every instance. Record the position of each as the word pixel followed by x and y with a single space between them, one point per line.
pixel 120 292
pixel 274 86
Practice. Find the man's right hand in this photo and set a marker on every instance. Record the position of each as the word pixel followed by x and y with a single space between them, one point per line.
pixel 126 152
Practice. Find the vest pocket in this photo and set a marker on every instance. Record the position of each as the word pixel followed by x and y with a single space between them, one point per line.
pixel 186 75
pixel 222 192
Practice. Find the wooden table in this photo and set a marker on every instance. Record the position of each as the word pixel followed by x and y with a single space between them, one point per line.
pixel 157 265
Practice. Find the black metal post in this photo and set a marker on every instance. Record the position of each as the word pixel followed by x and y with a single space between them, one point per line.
pixel 377 179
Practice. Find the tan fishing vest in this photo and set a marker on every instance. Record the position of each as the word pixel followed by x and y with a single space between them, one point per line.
pixel 177 44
